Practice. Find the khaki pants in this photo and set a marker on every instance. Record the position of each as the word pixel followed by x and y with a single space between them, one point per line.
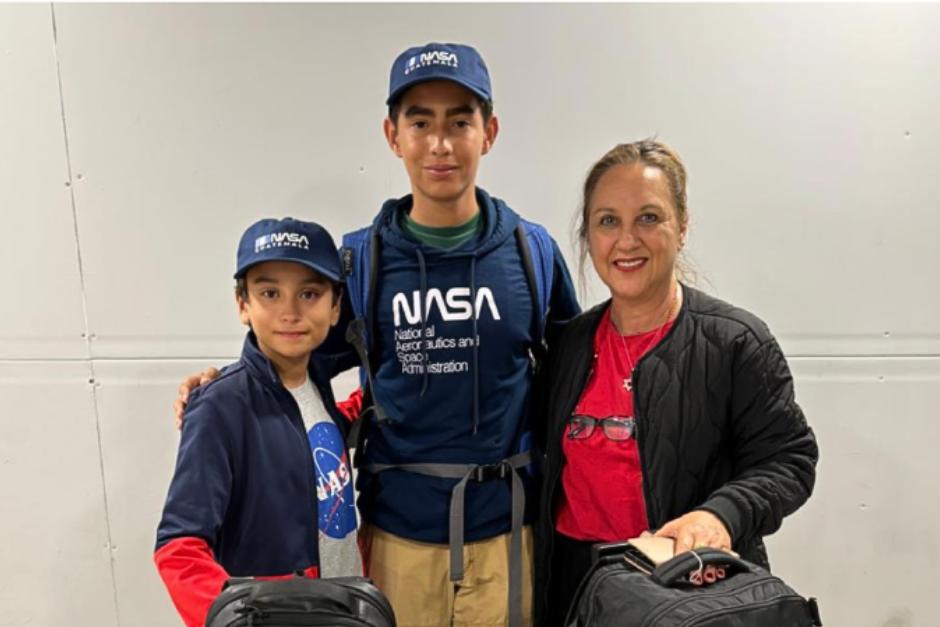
pixel 415 576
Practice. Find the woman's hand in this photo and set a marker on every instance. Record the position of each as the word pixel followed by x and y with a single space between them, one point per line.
pixel 697 529
pixel 189 384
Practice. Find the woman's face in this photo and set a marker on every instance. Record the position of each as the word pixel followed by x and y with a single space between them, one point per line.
pixel 634 233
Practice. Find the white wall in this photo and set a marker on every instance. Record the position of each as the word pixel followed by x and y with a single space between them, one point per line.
pixel 137 142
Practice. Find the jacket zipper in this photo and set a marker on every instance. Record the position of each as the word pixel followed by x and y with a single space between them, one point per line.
pixel 297 420
pixel 652 514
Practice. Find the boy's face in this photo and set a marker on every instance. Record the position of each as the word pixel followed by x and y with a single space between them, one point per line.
pixel 440 136
pixel 290 308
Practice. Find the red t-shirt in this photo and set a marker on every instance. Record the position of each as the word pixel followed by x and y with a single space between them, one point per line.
pixel 602 495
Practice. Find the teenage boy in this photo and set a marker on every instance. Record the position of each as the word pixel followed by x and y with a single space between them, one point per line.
pixel 262 481
pixel 451 323
pixel 442 284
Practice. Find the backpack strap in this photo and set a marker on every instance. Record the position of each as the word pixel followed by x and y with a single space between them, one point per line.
pixel 536 251
pixel 360 266
pixel 372 279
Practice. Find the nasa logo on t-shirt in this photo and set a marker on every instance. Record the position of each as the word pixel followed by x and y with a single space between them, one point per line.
pixel 337 506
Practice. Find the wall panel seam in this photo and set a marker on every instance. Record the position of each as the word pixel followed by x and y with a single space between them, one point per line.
pixel 84 301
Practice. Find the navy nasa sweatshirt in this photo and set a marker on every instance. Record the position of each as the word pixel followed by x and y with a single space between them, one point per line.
pixel 452 370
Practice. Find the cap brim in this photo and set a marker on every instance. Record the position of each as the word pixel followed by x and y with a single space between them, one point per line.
pixel 332 276
pixel 427 79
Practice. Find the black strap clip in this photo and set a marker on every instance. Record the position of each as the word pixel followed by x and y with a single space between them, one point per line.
pixel 489 472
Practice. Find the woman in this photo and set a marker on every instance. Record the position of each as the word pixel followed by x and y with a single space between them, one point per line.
pixel 668 409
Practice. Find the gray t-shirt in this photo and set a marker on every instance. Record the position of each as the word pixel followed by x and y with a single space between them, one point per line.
pixel 339 552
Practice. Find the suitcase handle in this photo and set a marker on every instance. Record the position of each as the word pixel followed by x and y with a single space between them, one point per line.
pixel 675 572
pixel 270 595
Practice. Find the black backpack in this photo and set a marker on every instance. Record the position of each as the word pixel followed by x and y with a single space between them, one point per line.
pixel 301 602
pixel 617 593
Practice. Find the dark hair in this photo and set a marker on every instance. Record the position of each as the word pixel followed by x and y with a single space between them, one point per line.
pixel 649 152
pixel 241 287
pixel 485 106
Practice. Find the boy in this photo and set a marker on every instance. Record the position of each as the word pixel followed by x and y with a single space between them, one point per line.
pixel 451 326
pixel 262 482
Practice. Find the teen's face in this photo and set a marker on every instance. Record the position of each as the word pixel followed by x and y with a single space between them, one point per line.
pixel 290 308
pixel 440 136
pixel 634 234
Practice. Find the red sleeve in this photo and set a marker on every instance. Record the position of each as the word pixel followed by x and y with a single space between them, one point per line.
pixel 192 576
pixel 352 406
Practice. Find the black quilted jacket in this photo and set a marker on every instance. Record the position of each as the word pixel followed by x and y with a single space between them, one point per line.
pixel 717 425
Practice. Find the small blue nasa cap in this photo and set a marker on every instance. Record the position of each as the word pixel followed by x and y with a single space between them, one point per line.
pixel 288 240
pixel 450 62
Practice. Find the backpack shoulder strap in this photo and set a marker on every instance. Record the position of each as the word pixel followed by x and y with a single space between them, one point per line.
pixel 535 246
pixel 360 254
pixel 358 267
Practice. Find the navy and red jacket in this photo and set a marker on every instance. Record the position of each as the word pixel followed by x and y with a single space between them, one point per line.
pixel 243 498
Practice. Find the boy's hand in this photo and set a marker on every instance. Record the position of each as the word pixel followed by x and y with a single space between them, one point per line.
pixel 189 384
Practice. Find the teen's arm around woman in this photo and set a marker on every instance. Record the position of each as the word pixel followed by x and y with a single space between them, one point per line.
pixel 667 409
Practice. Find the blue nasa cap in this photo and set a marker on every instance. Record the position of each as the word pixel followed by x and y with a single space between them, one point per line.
pixel 288 240
pixel 450 62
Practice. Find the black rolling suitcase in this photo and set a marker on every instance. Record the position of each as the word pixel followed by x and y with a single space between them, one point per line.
pixel 301 602
pixel 623 589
